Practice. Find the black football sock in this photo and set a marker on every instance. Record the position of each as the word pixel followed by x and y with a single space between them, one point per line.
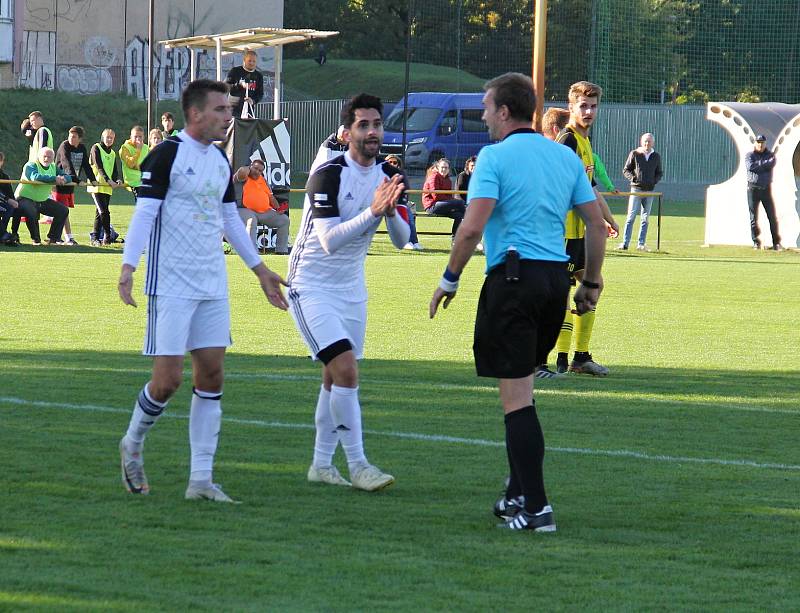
pixel 525 443
pixel 513 488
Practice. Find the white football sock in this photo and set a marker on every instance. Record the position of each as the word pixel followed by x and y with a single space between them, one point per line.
pixel 346 414
pixel 327 436
pixel 205 418
pixel 146 412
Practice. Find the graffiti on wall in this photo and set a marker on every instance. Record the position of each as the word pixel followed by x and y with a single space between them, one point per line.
pixel 109 69
pixel 94 77
pixel 171 69
pixel 83 80
pixel 38 60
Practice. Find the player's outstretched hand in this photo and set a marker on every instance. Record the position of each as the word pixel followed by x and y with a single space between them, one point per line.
pixel 438 296
pixel 613 229
pixel 387 195
pixel 271 286
pixel 125 285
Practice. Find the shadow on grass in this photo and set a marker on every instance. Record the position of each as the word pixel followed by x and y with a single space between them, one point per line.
pixel 96 369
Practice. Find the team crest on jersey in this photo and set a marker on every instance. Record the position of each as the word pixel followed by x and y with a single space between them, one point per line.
pixel 190 171
pixel 208 198
pixel 349 196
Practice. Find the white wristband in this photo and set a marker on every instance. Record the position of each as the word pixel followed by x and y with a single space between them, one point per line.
pixel 448 286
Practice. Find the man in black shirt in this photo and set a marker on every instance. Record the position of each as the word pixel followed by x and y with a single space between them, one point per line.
pixel 8 206
pixel 73 158
pixel 247 85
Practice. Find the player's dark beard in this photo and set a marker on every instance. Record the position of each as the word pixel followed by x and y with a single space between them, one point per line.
pixel 361 148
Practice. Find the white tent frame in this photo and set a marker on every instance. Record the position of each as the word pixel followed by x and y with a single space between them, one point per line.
pixel 250 38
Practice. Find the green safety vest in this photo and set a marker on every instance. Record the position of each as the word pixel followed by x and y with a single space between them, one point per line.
pixel 109 160
pixel 133 176
pixel 37 193
pixel 33 150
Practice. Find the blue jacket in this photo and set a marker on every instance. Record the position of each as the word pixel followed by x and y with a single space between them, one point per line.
pixel 759 168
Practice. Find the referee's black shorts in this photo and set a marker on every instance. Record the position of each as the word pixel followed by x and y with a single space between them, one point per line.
pixel 517 323
pixel 576 252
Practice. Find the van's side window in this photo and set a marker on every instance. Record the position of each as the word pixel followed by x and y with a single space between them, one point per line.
pixel 448 124
pixel 471 120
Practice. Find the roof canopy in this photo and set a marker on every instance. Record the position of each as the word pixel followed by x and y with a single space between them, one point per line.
pixel 251 38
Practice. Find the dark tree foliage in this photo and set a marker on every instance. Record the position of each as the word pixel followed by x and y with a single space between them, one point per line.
pixel 638 50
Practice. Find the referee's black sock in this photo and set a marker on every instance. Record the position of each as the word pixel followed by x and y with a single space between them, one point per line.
pixel 525 444
pixel 513 488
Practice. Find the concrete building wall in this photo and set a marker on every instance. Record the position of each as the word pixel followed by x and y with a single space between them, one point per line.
pixel 99 46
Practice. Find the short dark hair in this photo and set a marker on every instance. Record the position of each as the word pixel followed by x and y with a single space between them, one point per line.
pixel 472 158
pixel 2 155
pixel 361 101
pixel 77 130
pixel 196 93
pixel 515 91
pixel 259 161
pixel 167 115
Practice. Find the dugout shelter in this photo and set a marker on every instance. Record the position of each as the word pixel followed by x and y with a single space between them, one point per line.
pixel 250 38
pixel 727 216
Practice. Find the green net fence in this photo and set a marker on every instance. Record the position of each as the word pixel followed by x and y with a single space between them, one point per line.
pixel 640 51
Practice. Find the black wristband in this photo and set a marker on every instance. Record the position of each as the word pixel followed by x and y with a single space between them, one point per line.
pixel 590 284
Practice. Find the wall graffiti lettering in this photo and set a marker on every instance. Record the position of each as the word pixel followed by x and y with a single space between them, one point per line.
pixel 38 60
pixel 84 80
pixel 171 69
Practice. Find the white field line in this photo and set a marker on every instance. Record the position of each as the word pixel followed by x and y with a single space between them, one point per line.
pixel 681 401
pixel 414 436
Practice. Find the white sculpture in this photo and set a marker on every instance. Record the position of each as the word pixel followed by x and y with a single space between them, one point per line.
pixel 727 217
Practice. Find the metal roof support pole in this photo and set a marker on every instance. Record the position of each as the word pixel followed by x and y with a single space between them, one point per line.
pixel 276 101
pixel 192 64
pixel 218 40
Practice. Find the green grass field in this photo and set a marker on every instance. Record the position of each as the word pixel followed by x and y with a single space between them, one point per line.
pixel 674 480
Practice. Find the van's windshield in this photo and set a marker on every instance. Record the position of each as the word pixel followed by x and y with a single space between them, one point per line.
pixel 420 119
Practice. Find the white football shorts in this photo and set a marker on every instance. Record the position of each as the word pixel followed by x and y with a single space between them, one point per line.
pixel 178 325
pixel 323 318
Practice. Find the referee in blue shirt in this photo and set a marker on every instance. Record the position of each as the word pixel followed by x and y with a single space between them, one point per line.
pixel 519 195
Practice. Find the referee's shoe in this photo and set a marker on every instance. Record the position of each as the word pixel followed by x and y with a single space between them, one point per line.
pixel 538 522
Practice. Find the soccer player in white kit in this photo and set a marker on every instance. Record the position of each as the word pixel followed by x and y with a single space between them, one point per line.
pixel 346 198
pixel 185 204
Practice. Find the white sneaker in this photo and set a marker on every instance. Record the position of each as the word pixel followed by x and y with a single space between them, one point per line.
pixel 326 474
pixel 207 491
pixel 622 247
pixel 370 478
pixel 132 465
pixel 418 247
pixel 409 246
pixel 642 248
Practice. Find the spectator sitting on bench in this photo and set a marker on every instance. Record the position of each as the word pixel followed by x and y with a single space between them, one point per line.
pixel 259 206
pixel 462 180
pixel 444 205
pixel 34 200
pixel 413 240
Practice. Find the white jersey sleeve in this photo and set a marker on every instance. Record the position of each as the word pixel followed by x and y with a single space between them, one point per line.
pixel 139 231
